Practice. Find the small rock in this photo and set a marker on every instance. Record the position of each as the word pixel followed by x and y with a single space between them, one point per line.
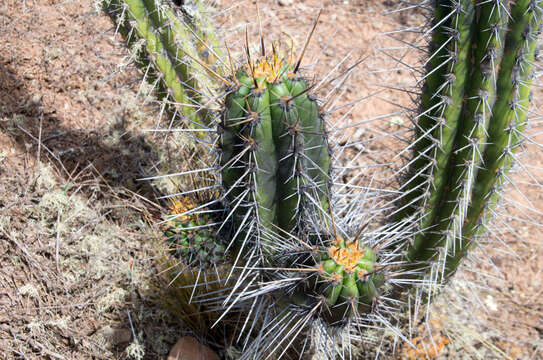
pixel 491 303
pixel 357 139
pixel 188 348
pixel 285 2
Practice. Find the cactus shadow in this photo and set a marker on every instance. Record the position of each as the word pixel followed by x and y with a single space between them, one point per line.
pixel 111 159
pixel 114 156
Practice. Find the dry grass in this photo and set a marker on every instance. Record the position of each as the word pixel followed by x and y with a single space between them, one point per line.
pixel 76 247
pixel 74 269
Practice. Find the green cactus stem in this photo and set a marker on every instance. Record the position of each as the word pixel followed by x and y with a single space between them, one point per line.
pixel 447 114
pixel 275 158
pixel 472 137
pixel 171 46
pixel 481 125
pixel 430 101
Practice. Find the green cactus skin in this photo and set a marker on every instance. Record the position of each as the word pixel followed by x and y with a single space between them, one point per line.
pixel 349 282
pixel 195 245
pixel 171 48
pixel 274 150
pixel 480 100
pixel 507 122
pixel 483 120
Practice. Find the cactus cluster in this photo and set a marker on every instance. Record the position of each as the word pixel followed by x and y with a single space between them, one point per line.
pixel 295 266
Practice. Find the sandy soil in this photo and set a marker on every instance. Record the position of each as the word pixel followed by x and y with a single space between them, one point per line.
pixel 76 248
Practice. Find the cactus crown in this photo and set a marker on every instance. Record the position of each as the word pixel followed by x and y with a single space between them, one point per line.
pixel 347 254
pixel 269 69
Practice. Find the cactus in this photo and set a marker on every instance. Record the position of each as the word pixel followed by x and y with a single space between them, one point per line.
pixel 275 157
pixel 278 225
pixel 293 270
pixel 191 239
pixel 350 267
pixel 194 265
pixel 174 49
pixel 469 130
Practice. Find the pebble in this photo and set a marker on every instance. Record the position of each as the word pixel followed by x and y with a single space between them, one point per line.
pixel 188 348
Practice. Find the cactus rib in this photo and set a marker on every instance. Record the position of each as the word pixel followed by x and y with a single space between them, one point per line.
pixel 437 69
pixel 448 117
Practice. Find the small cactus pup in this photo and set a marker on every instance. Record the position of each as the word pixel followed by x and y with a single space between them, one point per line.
pixel 195 270
pixel 191 237
pixel 325 291
pixel 349 281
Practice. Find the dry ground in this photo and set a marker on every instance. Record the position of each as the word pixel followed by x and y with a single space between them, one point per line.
pixel 76 247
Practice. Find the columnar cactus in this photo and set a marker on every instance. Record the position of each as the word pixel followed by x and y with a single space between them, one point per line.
pixel 474 107
pixel 173 45
pixel 275 161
